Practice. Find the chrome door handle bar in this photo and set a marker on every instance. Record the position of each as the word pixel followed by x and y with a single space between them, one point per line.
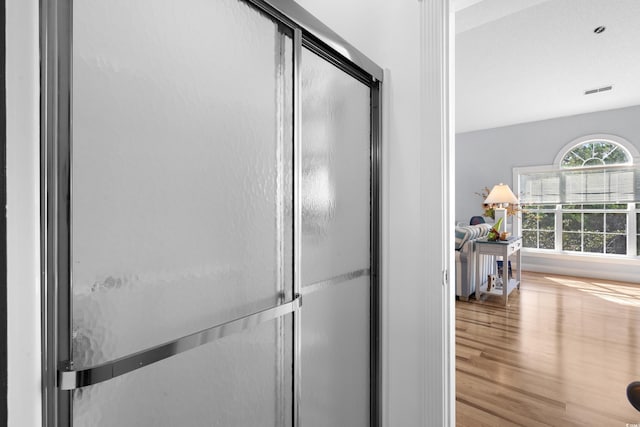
pixel 70 379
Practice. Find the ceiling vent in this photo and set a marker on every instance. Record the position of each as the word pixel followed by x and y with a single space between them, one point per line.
pixel 600 89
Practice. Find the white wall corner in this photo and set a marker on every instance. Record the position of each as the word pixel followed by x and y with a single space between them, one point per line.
pixel 23 213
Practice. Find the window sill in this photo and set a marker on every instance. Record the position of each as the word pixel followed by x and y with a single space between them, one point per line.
pixel 581 257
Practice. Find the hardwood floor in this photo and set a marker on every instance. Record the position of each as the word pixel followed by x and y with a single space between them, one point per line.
pixel 561 354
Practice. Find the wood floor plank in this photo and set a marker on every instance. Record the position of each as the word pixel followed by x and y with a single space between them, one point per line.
pixel 561 354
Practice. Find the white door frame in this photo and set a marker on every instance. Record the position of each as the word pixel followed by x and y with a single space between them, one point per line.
pixel 437 203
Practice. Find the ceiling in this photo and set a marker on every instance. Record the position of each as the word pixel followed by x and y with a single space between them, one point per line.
pixel 526 60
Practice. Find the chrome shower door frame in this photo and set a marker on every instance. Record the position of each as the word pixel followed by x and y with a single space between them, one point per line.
pixel 56 47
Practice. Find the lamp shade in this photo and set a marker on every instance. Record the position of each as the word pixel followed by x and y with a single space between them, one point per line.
pixel 501 193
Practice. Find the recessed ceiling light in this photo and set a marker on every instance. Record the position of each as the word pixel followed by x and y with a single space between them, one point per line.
pixel 599 29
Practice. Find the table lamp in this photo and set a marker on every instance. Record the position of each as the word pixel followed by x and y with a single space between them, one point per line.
pixel 500 196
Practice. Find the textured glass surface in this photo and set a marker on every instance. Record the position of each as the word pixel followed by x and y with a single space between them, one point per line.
pixel 335 167
pixel 181 206
pixel 231 382
pixel 335 354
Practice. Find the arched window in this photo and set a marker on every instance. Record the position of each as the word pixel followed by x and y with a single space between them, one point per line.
pixel 587 202
pixel 596 150
pixel 596 153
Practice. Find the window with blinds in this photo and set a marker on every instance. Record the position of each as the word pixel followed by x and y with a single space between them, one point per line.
pixel 587 203
pixel 606 184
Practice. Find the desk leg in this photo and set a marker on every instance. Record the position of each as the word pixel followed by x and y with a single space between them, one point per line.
pixel 477 274
pixel 505 276
pixel 519 269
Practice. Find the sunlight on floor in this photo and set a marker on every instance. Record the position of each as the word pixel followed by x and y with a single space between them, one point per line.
pixel 619 294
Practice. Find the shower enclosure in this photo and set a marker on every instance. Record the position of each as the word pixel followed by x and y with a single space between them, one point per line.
pixel 211 224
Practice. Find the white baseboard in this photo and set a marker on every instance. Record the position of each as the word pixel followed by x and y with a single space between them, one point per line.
pixel 624 270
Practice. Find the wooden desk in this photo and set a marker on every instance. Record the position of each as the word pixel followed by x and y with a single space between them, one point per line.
pixel 505 249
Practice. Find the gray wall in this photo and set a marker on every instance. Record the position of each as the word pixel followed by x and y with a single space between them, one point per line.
pixel 487 157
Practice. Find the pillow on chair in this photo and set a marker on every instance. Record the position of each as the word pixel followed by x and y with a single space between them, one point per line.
pixel 476 220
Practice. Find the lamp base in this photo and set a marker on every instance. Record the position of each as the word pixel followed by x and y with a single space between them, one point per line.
pixel 501 213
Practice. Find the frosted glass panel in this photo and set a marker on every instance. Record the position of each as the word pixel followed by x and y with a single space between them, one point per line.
pixel 335 165
pixel 335 355
pixel 181 206
pixel 230 382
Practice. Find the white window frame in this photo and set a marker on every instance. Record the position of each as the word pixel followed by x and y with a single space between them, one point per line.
pixel 632 210
pixel 604 232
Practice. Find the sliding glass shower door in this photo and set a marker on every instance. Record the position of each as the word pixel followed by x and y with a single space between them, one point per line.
pixel 336 242
pixel 211 219
pixel 181 209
